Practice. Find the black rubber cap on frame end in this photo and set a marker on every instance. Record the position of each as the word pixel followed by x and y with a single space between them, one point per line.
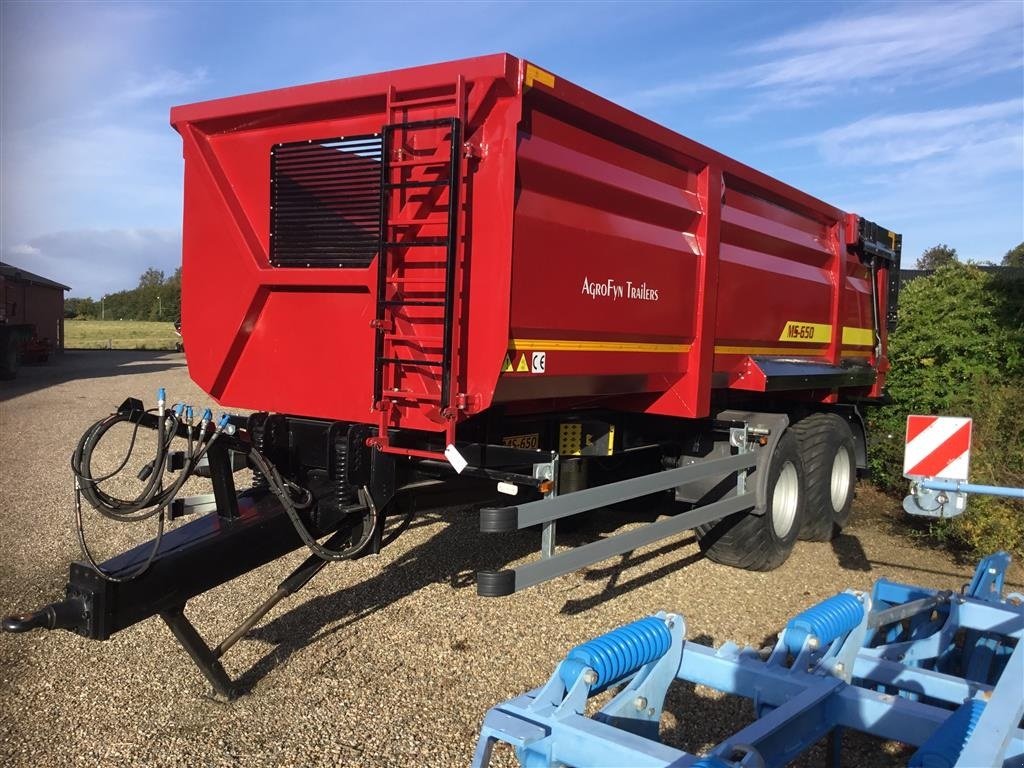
pixel 499 519
pixel 495 583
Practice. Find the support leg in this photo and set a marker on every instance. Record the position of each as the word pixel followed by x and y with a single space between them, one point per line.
pixel 835 746
pixel 223 479
pixel 196 647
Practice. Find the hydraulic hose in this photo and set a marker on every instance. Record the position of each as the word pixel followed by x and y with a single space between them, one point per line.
pixel 284 489
pixel 154 498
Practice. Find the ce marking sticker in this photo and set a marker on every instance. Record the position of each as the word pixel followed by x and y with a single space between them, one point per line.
pixel 538 361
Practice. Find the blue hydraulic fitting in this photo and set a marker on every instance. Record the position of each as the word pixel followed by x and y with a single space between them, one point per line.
pixel 617 654
pixel 224 419
pixel 207 415
pixel 188 414
pixel 826 621
pixel 179 408
pixel 161 398
pixel 943 748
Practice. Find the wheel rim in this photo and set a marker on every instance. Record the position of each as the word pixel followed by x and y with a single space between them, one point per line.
pixel 785 498
pixel 841 470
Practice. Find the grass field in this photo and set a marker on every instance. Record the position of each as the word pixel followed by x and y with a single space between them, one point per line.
pixel 119 334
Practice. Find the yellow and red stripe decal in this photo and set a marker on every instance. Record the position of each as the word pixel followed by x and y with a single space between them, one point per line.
pixel 572 345
pixel 851 337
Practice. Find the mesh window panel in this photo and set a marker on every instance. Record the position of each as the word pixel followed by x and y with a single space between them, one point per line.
pixel 325 202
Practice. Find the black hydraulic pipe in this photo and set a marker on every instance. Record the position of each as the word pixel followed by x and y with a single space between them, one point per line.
pixel 295 581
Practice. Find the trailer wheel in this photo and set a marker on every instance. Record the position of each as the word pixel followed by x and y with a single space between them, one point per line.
pixel 763 542
pixel 827 447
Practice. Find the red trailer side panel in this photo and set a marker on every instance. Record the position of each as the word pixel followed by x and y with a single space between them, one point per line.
pixel 644 262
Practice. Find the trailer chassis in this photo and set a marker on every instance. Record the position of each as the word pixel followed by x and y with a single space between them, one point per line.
pixel 355 487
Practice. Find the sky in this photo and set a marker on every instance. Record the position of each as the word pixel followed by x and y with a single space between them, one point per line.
pixel 909 114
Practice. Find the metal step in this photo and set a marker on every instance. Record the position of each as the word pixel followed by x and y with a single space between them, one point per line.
pixel 419 162
pixel 410 361
pixel 439 99
pixel 427 341
pixel 432 242
pixel 416 184
pixel 422 397
pixel 413 303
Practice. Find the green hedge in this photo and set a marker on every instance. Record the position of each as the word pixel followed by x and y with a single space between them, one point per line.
pixel 959 350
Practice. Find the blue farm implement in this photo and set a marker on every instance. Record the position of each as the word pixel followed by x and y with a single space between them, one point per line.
pixel 938 670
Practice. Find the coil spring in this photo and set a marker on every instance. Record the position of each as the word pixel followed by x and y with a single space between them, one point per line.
pixel 343 492
pixel 259 440
pixel 828 620
pixel 618 653
pixel 943 748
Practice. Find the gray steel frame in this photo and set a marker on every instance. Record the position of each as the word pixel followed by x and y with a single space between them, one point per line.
pixel 545 511
pixel 505 519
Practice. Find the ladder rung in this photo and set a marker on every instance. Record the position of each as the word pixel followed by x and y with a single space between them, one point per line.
pixel 426 242
pixel 412 303
pixel 414 184
pixel 415 281
pixel 419 396
pixel 405 361
pixel 424 340
pixel 418 223
pixel 420 162
pixel 402 103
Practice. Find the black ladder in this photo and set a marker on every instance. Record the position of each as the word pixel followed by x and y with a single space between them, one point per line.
pixel 417 301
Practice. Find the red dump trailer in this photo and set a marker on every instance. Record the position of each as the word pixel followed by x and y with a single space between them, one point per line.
pixel 479 277
pixel 522 217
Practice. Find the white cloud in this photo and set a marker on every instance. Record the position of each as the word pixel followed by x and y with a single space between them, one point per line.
pixel 911 137
pixel 946 175
pixel 96 262
pixel 919 44
pixel 23 249
pixel 86 141
pixel 166 83
pixel 101 175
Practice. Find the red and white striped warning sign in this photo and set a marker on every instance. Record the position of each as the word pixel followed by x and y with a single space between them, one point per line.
pixel 937 446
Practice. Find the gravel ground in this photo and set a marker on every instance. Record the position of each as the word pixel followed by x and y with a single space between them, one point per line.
pixel 392 660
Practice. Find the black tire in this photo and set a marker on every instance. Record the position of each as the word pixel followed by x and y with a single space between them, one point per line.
pixel 763 542
pixel 830 461
pixel 9 360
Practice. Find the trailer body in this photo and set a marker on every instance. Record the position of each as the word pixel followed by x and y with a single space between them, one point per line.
pixel 597 256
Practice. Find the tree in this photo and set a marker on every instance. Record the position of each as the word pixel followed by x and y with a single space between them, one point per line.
pixel 85 307
pixel 155 298
pixel 959 351
pixel 1014 257
pixel 937 256
pixel 151 278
